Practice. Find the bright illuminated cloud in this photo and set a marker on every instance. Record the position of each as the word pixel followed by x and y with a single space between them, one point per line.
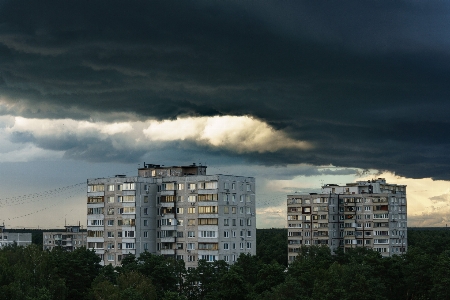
pixel 241 134
pixel 237 134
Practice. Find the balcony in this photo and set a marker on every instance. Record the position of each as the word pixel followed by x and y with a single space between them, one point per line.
pixel 167 252
pixel 167 193
pixel 168 239
pixel 168 227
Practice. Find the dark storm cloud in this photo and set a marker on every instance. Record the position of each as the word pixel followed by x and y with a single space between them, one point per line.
pixel 366 82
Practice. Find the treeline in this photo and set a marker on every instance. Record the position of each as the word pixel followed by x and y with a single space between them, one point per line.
pixel 422 273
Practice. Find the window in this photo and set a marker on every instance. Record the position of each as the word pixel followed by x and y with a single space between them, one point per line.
pixel 145 222
pixel 208 258
pixel 249 233
pixel 241 210
pixel 207 234
pixel 110 199
pixel 145 211
pixel 128 234
pixel 191 210
pixel 225 246
pixel 145 246
pixel 226 234
pixel 110 211
pixel 190 246
pixel 128 186
pixel 226 258
pixel 207 221
pixel 233 186
pixel 126 222
pixel 191 234
pixel 179 234
pixel 181 186
pixel 249 222
pixel 241 222
pixel 127 210
pixel 110 188
pixel 191 257
pixel 95 211
pixel 110 257
pixel 127 199
pixel 249 245
pixel 207 197
pixel 226 210
pixel 110 222
pixel 145 234
pixel 180 210
pixel 145 199
pixel 208 246
pixel 192 198
pixel 225 197
pixel 233 209
pixel 207 210
pixel 96 188
pixel 92 223
pixel 129 245
pixel 212 185
pixel 241 246
pixel 249 188
pixel 234 222
pixel 192 186
pixel 241 198
pixel 110 234
pixel 191 222
pixel 226 222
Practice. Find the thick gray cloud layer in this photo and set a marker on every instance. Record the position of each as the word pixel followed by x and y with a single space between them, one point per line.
pixel 366 82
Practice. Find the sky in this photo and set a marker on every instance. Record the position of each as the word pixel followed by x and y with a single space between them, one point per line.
pixel 294 93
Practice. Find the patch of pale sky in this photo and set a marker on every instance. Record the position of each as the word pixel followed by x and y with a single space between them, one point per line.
pixel 418 193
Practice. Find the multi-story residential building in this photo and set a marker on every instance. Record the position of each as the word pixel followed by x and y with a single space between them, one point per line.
pixel 174 211
pixel 73 237
pixel 368 214
pixel 9 238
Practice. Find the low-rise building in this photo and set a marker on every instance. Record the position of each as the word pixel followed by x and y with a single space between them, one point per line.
pixel 18 238
pixel 73 237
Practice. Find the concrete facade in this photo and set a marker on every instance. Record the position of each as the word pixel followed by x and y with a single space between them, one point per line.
pixel 368 214
pixel 174 211
pixel 71 239
pixel 9 238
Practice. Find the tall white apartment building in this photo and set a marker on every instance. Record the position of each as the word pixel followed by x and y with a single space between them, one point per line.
pixel 369 214
pixel 174 211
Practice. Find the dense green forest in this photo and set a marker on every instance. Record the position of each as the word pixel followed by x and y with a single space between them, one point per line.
pixel 422 273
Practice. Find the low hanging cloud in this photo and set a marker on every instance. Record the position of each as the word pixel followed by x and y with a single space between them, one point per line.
pixel 235 134
pixel 240 134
